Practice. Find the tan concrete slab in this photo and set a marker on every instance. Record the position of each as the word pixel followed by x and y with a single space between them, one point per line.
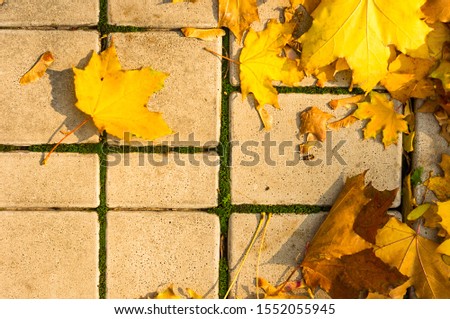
pixel 266 167
pixel 191 98
pixel 147 251
pixel 37 112
pixel 163 14
pixel 67 180
pixel 174 180
pixel 48 254
pixel 23 13
pixel 428 149
pixel 286 239
pixel 273 9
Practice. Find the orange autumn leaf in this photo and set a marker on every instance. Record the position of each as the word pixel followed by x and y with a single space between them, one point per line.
pixel 279 292
pixel 116 98
pixel 314 121
pixel 237 15
pixel 38 69
pixel 340 260
pixel 416 257
pixel 407 77
pixel 383 118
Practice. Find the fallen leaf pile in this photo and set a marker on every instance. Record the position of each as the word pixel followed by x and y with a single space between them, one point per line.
pixel 359 251
pixel 402 45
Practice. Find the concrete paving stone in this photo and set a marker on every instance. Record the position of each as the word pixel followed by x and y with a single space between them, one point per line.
pixel 37 112
pixel 163 13
pixel 266 167
pixel 68 180
pixel 286 239
pixel 191 98
pixel 24 13
pixel 428 149
pixel 48 254
pixel 148 251
pixel 174 180
pixel 273 9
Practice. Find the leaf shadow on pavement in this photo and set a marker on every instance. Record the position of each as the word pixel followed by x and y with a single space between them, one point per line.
pixel 63 102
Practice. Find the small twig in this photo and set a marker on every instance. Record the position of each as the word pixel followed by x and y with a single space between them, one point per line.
pixel 221 56
pixel 252 242
pixel 65 136
pixel 259 253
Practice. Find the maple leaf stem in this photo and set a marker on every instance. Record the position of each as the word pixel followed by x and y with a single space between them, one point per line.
pixel 252 242
pixel 66 134
pixel 221 56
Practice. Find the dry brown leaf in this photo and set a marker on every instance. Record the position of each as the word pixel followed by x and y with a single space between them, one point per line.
pixel 38 69
pixel 335 237
pixel 436 10
pixel 314 121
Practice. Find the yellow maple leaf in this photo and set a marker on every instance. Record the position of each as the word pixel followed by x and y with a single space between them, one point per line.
pixel 443 73
pixel 309 5
pixel 116 99
pixel 237 15
pixel 416 257
pixel 440 186
pixel 383 118
pixel 436 10
pixel 444 212
pixel 38 69
pixel 261 63
pixel 281 291
pixel 360 31
pixel 407 78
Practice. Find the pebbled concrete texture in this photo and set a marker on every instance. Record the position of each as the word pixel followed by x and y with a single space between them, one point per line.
pixel 286 239
pixel 48 254
pixel 148 251
pixel 37 112
pixel 163 13
pixel 266 167
pixel 68 180
pixel 174 180
pixel 428 149
pixel 23 13
pixel 191 98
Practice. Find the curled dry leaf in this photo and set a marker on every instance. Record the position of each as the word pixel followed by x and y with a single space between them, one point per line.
pixel 436 10
pixel 383 118
pixel 38 69
pixel 347 102
pixel 416 257
pixel 440 186
pixel 314 121
pixel 203 34
pixel 237 15
pixel 336 32
pixel 114 98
